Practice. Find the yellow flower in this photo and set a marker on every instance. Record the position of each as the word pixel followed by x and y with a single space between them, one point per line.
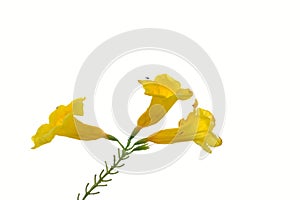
pixel 197 127
pixel 63 123
pixel 165 91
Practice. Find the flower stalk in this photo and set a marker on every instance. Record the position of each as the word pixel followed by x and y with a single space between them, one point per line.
pixel 122 155
pixel 102 181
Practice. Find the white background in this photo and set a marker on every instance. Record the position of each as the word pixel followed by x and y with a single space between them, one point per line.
pixel 255 46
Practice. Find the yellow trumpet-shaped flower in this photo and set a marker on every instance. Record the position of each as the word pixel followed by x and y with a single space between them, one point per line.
pixel 197 127
pixel 63 123
pixel 165 91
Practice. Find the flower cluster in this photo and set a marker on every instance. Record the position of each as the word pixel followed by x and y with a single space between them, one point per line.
pixel 165 91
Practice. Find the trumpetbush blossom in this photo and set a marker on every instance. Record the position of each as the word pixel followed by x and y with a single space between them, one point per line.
pixel 63 123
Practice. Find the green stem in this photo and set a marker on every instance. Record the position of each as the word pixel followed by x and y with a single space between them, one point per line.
pixel 133 134
pixel 122 146
pixel 108 172
pixel 126 151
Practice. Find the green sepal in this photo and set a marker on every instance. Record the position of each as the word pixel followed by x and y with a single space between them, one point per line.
pixel 141 148
pixel 141 141
pixel 113 138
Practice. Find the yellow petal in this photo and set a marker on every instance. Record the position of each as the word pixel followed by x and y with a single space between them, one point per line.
pixel 199 122
pixel 169 136
pixel 165 91
pixel 184 94
pixel 190 125
pixel 204 146
pixel 174 86
pixel 165 86
pixel 197 127
pixel 57 116
pixel 168 81
pixel 213 140
pixel 76 106
pixel 43 135
pixel 207 120
pixel 73 128
pixel 63 123
pixel 164 136
pixel 156 89
pixel 156 111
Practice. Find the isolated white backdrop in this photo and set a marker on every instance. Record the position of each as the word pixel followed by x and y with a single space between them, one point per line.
pixel 255 46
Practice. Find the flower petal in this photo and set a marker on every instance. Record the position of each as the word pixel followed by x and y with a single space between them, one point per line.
pixel 43 135
pixel 184 94
pixel 73 128
pixel 190 125
pixel 165 86
pixel 164 136
pixel 196 127
pixel 169 136
pixel 156 89
pixel 165 91
pixel 204 146
pixel 57 116
pixel 156 111
pixel 63 123
pixel 77 106
pixel 168 81
pixel 213 140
